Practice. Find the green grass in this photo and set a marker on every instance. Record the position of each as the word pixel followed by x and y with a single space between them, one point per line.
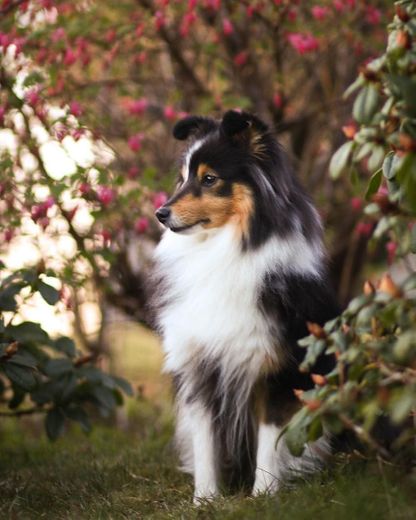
pixel 127 469
pixel 132 474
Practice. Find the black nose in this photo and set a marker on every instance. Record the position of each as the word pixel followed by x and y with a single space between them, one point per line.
pixel 163 214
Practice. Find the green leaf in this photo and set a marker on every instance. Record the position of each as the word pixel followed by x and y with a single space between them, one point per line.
pixel 7 296
pixel 296 433
pixel 413 239
pixel 340 159
pixel 376 158
pixel 105 398
pixel 78 414
pixel 124 385
pixel 23 377
pixel 18 397
pixel 373 185
pixel 402 403
pixel 27 332
pixel 54 423
pixel 49 293
pixel 354 86
pixel 23 359
pixel 366 104
pixel 65 345
pixel 389 163
pixel 58 367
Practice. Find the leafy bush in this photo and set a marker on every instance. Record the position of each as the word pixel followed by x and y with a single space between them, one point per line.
pixel 374 340
pixel 49 373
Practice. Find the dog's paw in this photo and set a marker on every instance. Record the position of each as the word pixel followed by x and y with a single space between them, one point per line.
pixel 265 486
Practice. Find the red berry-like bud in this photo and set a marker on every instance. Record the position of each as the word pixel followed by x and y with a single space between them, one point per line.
pixel 159 199
pixel 135 142
pixel 356 203
pixel 105 195
pixel 141 225
pixel 227 27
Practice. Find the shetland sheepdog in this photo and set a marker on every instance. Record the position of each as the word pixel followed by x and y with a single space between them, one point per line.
pixel 240 270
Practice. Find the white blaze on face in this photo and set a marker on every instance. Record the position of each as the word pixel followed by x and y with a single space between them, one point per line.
pixel 192 149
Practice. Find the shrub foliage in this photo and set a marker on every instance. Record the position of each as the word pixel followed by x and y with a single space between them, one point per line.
pixel 374 340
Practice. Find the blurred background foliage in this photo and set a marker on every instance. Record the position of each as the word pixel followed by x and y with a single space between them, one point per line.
pixel 89 94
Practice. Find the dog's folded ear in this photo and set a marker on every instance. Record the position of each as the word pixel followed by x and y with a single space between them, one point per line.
pixel 193 125
pixel 234 123
pixel 244 128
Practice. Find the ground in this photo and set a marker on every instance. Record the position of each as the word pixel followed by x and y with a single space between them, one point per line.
pixel 126 468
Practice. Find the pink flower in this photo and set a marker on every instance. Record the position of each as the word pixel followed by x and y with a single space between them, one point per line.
pixel 342 5
pixel 75 108
pixel 192 4
pixel 169 112
pixel 71 213
pixel 139 30
pixel 160 20
pixel 278 100
pixel 364 229
pixel 105 195
pixel 137 106
pixel 227 27
pixel 391 248
pixel 43 222
pixel 241 58
pixel 141 225
pixel 250 10
pixel 5 40
pixel 303 43
pixel 70 57
pixel 49 202
pixel 61 132
pixel 372 15
pixel 77 134
pixel 141 57
pixel 58 34
pixel 159 199
pixel 212 4
pixel 292 15
pixel 2 113
pixel 356 203
pixel 106 236
pixel 319 12
pixel 38 211
pixel 84 188
pixel 110 35
pixel 133 172
pixel 32 96
pixel 8 235
pixel 18 45
pixel 188 19
pixel 135 142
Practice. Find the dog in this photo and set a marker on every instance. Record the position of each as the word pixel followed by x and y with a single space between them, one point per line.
pixel 239 271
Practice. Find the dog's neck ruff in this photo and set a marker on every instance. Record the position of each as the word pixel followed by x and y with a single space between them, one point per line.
pixel 211 290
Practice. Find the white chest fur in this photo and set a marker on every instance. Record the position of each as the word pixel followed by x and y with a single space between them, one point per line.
pixel 213 290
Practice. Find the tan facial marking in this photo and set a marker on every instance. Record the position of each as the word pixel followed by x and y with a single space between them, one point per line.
pixel 203 169
pixel 242 208
pixel 191 209
pixel 215 209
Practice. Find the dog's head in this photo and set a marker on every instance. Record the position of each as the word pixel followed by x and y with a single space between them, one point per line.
pixel 216 183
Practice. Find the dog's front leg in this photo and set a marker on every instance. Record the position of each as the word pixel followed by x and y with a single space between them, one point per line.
pixel 205 461
pixel 267 460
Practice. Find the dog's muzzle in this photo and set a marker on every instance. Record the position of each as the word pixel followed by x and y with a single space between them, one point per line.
pixel 163 214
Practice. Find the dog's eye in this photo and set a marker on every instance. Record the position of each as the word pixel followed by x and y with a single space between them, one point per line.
pixel 208 180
